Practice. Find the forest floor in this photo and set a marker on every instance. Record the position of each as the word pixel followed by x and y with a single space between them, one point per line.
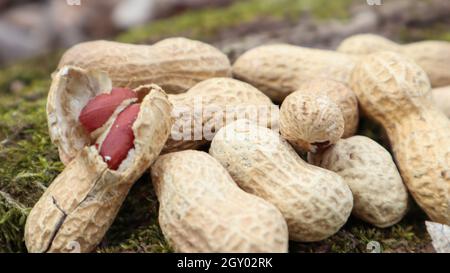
pixel 29 162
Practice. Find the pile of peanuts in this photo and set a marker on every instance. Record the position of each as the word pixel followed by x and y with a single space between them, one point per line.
pixel 117 110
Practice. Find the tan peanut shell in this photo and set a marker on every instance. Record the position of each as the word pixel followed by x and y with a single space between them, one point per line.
pixel 70 91
pixel 441 97
pixel 175 64
pixel 363 44
pixel 77 209
pixel 315 202
pixel 379 195
pixel 208 106
pixel 203 210
pixel 310 122
pixel 432 56
pixel 395 91
pixel 278 70
pixel 342 95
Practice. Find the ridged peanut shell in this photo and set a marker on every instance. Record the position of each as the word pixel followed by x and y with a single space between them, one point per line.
pixel 70 91
pixel 395 92
pixel 379 195
pixel 209 105
pixel 363 44
pixel 175 64
pixel 441 97
pixel 432 56
pixel 315 202
pixel 79 206
pixel 342 95
pixel 203 210
pixel 277 70
pixel 310 122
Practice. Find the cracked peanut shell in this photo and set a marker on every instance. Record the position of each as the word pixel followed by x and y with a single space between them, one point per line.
pixel 79 206
pixel 71 89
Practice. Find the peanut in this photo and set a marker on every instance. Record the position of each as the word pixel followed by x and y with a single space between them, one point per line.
pixel 315 202
pixel 175 64
pixel 98 110
pixel 278 70
pixel 342 95
pixel 120 138
pixel 205 108
pixel 203 210
pixel 441 97
pixel 380 197
pixel 82 202
pixel 79 106
pixel 432 56
pixel 310 122
pixel 395 91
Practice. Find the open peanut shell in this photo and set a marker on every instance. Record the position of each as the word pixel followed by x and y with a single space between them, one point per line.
pixel 80 205
pixel 71 89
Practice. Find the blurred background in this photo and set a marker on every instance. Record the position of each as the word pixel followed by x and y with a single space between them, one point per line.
pixel 32 27
pixel 34 34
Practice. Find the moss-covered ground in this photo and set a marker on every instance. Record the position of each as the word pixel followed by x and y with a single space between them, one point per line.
pixel 29 162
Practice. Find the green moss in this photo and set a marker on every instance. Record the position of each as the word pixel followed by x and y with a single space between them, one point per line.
pixel 407 236
pixel 136 227
pixel 206 23
pixel 25 72
pixel 12 221
pixel 437 31
pixel 29 161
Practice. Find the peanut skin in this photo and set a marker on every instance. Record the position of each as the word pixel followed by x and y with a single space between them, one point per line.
pixel 203 210
pixel 432 56
pixel 315 202
pixel 395 91
pixel 380 197
pixel 120 138
pixel 175 64
pixel 98 110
